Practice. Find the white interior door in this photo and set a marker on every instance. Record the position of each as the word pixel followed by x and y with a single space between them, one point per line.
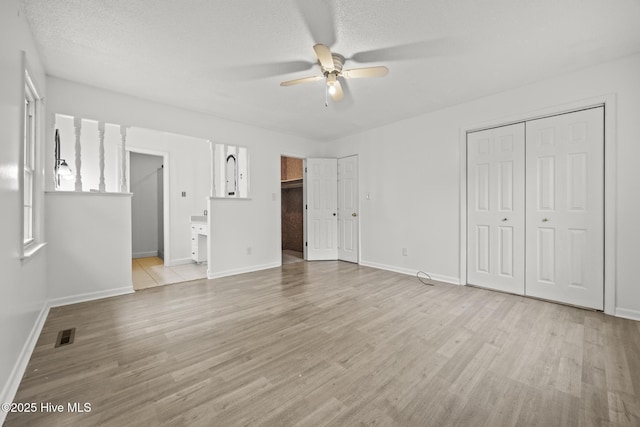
pixel 321 182
pixel 495 208
pixel 348 214
pixel 565 208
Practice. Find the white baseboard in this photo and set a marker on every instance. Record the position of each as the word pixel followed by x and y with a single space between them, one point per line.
pixel 11 387
pixel 179 261
pixel 144 254
pixel 74 299
pixel 628 314
pixel 402 270
pixel 249 269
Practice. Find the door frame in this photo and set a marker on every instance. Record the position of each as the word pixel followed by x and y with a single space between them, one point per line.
pixel 608 101
pixel 166 193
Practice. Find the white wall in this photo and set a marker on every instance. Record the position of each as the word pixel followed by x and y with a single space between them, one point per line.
pixel 145 210
pixel 257 221
pixel 188 168
pixel 412 171
pixel 89 237
pixel 237 224
pixel 22 284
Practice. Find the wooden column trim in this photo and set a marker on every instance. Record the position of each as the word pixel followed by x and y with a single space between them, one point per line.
pixel 123 162
pixel 77 125
pixel 101 185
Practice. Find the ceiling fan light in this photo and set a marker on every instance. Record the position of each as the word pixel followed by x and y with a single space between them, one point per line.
pixel 331 83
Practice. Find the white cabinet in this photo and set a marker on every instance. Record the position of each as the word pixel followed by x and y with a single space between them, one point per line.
pixel 199 235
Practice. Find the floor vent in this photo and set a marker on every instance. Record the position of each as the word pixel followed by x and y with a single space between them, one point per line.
pixel 65 337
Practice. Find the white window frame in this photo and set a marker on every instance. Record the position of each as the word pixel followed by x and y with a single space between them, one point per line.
pixel 29 122
pixel 30 180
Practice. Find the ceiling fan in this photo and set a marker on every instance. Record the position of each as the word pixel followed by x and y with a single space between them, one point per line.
pixel 331 66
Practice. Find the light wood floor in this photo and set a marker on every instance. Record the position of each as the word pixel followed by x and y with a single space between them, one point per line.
pixel 331 343
pixel 151 271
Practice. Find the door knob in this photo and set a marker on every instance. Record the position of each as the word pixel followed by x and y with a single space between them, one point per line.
pixel 505 219
pixel 545 219
pixel 334 214
pixel 354 214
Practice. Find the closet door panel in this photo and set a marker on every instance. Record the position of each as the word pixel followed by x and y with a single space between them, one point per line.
pixel 565 208
pixel 495 208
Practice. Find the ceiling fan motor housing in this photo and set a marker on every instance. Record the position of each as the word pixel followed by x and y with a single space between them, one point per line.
pixel 338 62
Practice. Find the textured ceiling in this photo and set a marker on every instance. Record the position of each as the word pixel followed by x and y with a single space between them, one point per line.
pixel 227 58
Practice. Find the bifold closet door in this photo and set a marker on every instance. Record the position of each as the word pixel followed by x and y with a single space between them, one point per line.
pixel 348 219
pixel 321 210
pixel 495 208
pixel 565 208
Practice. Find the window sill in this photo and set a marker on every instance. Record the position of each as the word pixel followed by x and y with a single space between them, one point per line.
pixel 228 198
pixel 31 250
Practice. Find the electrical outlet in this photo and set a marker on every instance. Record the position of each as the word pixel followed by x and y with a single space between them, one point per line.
pixel 248 250
pixel 404 251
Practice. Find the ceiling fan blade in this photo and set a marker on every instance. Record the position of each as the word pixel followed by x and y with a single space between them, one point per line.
pixel 318 15
pixel 324 56
pixel 409 51
pixel 358 73
pixel 303 80
pixel 348 100
pixel 257 71
pixel 337 94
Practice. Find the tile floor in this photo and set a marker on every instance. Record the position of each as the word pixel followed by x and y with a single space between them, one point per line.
pixel 151 272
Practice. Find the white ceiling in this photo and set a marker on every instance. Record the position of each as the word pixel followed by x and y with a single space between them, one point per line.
pixel 227 58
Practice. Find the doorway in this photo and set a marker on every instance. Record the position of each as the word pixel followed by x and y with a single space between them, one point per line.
pixel 147 173
pixel 292 209
pixel 147 222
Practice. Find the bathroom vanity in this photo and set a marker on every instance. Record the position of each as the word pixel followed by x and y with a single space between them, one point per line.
pixel 199 236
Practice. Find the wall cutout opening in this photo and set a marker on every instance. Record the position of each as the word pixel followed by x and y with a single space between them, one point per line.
pixel 231 171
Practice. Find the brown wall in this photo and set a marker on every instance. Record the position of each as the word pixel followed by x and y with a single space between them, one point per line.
pixel 292 233
pixel 290 168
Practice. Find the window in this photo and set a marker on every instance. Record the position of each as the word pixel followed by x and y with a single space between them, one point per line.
pixel 31 180
pixel 29 147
